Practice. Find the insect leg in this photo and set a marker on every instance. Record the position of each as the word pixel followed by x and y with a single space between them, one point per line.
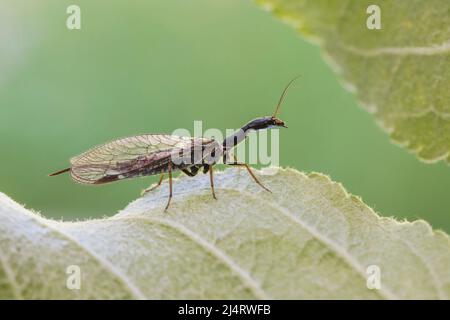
pixel 192 173
pixel 154 187
pixel 187 172
pixel 235 163
pixel 211 180
pixel 170 186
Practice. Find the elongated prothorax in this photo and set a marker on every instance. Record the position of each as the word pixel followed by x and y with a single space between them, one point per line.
pixel 257 124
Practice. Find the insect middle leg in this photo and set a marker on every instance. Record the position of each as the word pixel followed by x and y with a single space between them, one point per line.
pixel 154 187
pixel 211 181
pixel 236 163
pixel 206 168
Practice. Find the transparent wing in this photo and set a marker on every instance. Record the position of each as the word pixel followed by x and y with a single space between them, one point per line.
pixel 129 157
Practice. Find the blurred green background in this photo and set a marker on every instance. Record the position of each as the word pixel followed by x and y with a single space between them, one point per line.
pixel 155 66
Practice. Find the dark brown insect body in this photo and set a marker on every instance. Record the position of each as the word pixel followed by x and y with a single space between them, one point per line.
pixel 151 154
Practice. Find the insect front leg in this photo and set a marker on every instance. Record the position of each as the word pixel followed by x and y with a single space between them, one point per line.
pixel 236 163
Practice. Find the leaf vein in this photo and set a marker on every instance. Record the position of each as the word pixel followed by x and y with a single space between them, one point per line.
pixel 246 278
pixel 397 51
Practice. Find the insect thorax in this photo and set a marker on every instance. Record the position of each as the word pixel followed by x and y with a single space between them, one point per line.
pixel 198 154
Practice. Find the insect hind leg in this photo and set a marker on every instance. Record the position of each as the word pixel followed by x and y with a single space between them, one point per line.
pixel 170 186
pixel 154 187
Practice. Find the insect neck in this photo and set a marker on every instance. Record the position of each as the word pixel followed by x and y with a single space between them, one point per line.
pixel 236 137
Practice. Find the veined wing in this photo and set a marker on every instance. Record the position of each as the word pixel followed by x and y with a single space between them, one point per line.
pixel 129 157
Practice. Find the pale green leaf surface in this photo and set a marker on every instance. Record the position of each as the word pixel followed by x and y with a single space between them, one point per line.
pixel 400 73
pixel 307 239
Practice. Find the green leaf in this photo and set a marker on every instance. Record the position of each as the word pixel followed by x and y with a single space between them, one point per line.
pixel 307 239
pixel 401 73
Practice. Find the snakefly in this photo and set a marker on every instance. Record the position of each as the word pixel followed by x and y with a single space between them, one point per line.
pixel 151 154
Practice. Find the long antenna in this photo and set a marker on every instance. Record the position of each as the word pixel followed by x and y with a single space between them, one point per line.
pixel 283 95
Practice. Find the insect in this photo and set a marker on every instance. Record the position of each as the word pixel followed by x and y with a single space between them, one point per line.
pixel 152 154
